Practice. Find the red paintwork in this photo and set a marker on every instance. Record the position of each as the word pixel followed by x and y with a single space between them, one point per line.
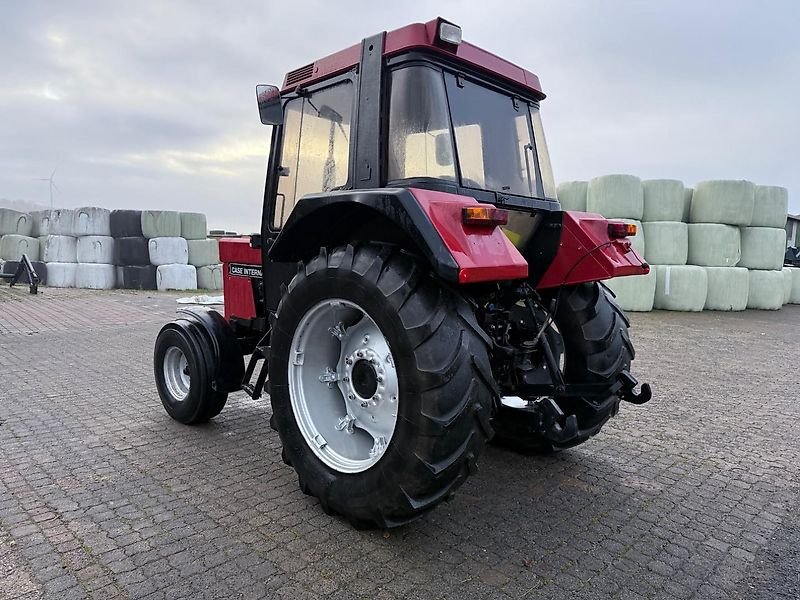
pixel 580 234
pixel 239 300
pixel 422 36
pixel 482 253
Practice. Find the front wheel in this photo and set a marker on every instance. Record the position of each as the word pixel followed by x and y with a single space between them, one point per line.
pixel 183 379
pixel 592 332
pixel 379 385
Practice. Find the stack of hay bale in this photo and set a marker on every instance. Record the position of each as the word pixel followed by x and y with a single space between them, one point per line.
pixel 168 251
pixel 736 233
pixel 131 254
pixel 58 245
pixel 203 251
pixel 94 249
pixel 16 239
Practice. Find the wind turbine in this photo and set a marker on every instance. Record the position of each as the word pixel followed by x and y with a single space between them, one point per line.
pixel 52 185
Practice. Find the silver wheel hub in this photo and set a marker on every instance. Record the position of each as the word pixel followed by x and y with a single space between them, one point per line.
pixel 176 373
pixel 343 385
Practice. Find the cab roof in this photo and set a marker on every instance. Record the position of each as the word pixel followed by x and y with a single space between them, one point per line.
pixel 417 36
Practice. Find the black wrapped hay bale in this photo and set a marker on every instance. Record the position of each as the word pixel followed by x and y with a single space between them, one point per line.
pixel 10 267
pixel 131 251
pixel 136 277
pixel 126 223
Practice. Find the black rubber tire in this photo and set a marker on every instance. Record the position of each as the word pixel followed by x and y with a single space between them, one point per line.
pixel 445 401
pixel 202 402
pixel 594 330
pixel 131 251
pixel 126 223
pixel 137 277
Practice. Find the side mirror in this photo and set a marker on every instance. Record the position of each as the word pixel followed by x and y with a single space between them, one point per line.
pixel 444 149
pixel 269 104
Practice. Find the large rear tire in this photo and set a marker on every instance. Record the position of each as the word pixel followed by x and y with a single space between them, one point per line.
pixel 597 348
pixel 405 429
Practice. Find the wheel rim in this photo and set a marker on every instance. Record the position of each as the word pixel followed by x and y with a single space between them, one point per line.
pixel 343 385
pixel 176 373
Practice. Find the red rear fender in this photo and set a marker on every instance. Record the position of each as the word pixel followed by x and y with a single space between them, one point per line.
pixel 482 254
pixel 586 252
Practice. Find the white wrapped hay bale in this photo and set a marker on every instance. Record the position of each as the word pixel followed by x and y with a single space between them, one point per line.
pixel 635 293
pixel 193 226
pixel 61 275
pixel 766 290
pixel 687 204
pixel 771 206
pixel 638 240
pixel 203 252
pixel 176 277
pixel 98 249
pixel 168 251
pixel 62 222
pixel 616 197
pixel 728 288
pixel 161 223
pixel 680 287
pixel 40 223
pixel 794 298
pixel 663 200
pixel 90 220
pixel 572 195
pixel 714 245
pixel 95 276
pixel 15 222
pixel 13 246
pixel 763 248
pixel 723 201
pixel 667 242
pixel 209 277
pixel 787 284
pixel 58 248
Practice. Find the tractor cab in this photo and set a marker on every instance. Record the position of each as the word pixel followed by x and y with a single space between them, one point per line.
pixel 415 107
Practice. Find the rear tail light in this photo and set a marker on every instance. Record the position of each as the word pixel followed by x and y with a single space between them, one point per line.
pixel 484 216
pixel 618 229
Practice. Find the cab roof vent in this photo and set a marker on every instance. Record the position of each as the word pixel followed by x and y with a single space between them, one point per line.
pixel 299 74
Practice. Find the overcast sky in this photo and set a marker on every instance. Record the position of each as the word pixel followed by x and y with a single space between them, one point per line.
pixel 151 104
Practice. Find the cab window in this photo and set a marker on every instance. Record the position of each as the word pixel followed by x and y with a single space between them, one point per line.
pixel 316 147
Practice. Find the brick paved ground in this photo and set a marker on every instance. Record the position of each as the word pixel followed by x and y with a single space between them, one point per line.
pixel 103 496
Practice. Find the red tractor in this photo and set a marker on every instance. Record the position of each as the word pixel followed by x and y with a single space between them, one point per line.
pixel 415 289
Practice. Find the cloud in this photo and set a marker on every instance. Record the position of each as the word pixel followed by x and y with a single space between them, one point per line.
pixel 151 104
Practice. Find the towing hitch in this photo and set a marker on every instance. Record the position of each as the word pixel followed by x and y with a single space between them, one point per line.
pixel 627 391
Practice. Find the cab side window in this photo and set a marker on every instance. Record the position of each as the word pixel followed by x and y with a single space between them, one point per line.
pixel 316 146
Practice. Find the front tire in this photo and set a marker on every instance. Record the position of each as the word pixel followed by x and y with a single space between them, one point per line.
pixel 183 379
pixel 430 354
pixel 597 348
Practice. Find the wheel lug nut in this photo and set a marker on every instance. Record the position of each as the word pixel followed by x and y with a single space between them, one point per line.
pixel 379 379
pixel 349 361
pixel 359 354
pixel 350 397
pixel 345 379
pixel 364 405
